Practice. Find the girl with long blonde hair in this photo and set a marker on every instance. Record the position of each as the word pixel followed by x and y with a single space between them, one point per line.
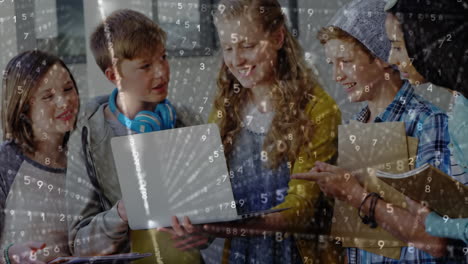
pixel 274 120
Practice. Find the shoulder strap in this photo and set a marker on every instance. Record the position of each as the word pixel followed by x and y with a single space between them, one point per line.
pixel 91 170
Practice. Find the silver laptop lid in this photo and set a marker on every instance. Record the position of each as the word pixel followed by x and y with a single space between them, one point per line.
pixel 179 172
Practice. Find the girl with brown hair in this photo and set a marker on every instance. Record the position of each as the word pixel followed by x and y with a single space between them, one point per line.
pixel 39 109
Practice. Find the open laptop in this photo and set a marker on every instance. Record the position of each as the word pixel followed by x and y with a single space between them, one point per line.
pixel 177 172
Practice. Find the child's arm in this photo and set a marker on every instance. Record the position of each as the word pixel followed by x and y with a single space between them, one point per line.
pixel 434 138
pixel 404 225
pixel 400 222
pixel 438 226
pixel 451 228
pixel 92 229
pixel 302 195
pixel 18 252
pixel 3 197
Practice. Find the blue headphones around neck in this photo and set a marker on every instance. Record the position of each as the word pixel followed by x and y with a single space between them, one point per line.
pixel 163 116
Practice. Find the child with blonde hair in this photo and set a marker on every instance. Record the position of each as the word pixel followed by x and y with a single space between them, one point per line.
pixel 275 120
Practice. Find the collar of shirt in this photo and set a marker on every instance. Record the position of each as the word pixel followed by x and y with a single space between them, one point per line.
pixel 394 110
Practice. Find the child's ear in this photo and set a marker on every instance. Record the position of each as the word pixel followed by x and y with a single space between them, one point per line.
pixel 278 38
pixel 112 75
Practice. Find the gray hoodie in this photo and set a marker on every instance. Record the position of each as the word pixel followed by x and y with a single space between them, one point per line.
pixel 95 227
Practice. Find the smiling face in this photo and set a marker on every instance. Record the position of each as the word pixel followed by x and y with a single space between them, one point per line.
pixel 54 103
pixel 355 69
pixel 250 54
pixel 143 80
pixel 398 54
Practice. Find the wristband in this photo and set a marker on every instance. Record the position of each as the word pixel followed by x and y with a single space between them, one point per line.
pixel 369 220
pixel 364 218
pixel 372 221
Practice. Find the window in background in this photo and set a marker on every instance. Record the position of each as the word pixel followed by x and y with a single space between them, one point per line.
pixel 291 11
pixel 60 29
pixel 189 26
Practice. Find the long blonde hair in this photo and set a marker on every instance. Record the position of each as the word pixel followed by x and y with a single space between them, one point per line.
pixel 293 90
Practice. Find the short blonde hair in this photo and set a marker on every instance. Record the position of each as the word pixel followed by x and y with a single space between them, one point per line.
pixel 125 34
pixel 328 33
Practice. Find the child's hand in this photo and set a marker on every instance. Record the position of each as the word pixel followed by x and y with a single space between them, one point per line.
pixel 187 236
pixel 122 211
pixel 262 225
pixel 239 228
pixel 334 181
pixel 24 253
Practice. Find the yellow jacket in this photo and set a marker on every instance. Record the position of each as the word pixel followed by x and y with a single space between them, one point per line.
pixel 303 195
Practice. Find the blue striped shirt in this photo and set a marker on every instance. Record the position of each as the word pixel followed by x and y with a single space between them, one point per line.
pixel 429 124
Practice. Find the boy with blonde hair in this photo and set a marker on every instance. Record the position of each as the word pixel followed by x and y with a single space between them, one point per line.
pixel 130 50
pixel 357 49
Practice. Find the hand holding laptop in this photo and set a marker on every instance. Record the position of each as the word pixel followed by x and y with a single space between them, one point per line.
pixel 186 235
pixel 190 236
pixel 122 211
pixel 262 224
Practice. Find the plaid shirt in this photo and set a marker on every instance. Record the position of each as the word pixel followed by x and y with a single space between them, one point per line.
pixel 426 122
pixel 423 120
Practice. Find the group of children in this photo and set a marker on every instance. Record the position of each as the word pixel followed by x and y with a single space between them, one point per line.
pixel 60 195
